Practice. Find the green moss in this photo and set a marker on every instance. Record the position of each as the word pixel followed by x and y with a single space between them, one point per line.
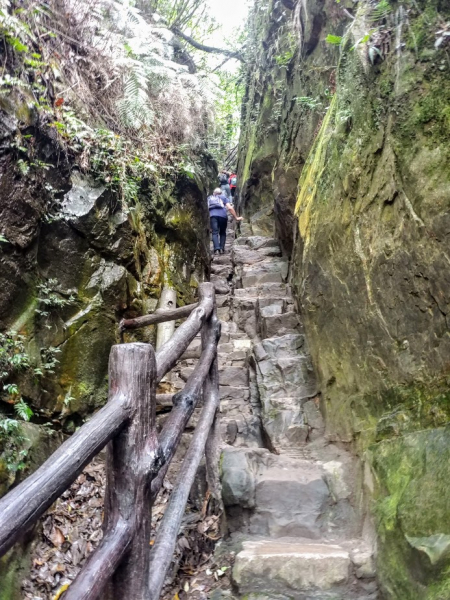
pixel 426 112
pixel 440 590
pixel 411 503
pixel 420 33
pixel 249 154
pixel 12 568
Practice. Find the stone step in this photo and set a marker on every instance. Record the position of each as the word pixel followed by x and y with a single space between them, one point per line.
pixel 243 255
pixel 297 569
pixel 270 495
pixel 264 290
pixel 242 430
pixel 256 241
pixel 278 324
pixel 266 271
pixel 222 270
pixel 221 284
pixel 221 259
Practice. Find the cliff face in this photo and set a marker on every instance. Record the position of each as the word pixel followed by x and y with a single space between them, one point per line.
pixel 67 279
pixel 355 133
pixel 102 195
pixel 103 177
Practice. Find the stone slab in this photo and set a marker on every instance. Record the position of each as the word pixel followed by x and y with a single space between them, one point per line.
pixel 275 565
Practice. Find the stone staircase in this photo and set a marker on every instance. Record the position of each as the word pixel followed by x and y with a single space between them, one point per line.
pixel 288 493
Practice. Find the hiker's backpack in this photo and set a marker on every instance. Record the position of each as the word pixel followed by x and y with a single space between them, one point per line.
pixel 215 202
pixel 223 179
pixel 233 180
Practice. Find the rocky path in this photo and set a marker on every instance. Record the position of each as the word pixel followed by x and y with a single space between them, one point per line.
pixel 294 526
pixel 288 493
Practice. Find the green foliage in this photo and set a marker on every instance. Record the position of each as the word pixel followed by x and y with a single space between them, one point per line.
pixel 11 444
pixel 151 121
pixel 311 103
pixel 14 360
pixel 49 299
pixel 285 58
pixel 13 357
pixel 381 10
pixel 335 40
pixel 49 360
pixel 191 16
pixel 23 411
pixel 225 135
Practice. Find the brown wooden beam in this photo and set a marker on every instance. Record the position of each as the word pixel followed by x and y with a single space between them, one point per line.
pixel 169 354
pixel 164 546
pixel 184 404
pixel 101 565
pixel 23 506
pixel 159 316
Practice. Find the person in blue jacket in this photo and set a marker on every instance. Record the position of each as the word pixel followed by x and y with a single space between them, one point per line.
pixel 218 205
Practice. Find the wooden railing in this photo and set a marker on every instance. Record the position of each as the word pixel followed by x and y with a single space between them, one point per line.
pixel 125 566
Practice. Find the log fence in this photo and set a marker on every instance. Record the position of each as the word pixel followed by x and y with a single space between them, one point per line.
pixel 125 565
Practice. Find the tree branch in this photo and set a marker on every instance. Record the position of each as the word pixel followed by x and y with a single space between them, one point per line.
pixel 290 4
pixel 210 49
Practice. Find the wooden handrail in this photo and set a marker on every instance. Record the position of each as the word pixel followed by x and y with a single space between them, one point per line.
pixel 27 502
pixel 184 404
pixel 159 316
pixel 170 353
pixel 136 460
pixel 165 543
pixel 132 460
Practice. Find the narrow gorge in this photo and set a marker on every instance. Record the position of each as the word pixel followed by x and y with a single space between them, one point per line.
pixel 333 293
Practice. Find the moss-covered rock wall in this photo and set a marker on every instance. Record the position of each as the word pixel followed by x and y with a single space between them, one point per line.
pixel 68 278
pixel 91 229
pixel 360 146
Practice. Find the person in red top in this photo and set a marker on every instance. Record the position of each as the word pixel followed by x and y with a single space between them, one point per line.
pixel 233 183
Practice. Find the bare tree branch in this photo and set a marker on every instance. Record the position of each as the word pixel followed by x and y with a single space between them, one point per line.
pixel 290 4
pixel 210 49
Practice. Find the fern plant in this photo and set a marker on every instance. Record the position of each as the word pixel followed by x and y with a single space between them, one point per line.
pixel 22 410
pixel 381 10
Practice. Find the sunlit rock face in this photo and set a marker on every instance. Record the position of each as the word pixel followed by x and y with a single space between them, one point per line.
pixel 357 135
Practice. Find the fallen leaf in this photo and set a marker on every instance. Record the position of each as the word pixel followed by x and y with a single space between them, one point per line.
pixel 61 590
pixel 57 537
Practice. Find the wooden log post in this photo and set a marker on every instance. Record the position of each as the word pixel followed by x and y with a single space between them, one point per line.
pixel 132 461
pixel 163 549
pixel 166 329
pixel 167 355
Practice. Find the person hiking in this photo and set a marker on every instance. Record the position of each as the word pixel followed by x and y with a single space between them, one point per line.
pixel 232 181
pixel 224 185
pixel 218 204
